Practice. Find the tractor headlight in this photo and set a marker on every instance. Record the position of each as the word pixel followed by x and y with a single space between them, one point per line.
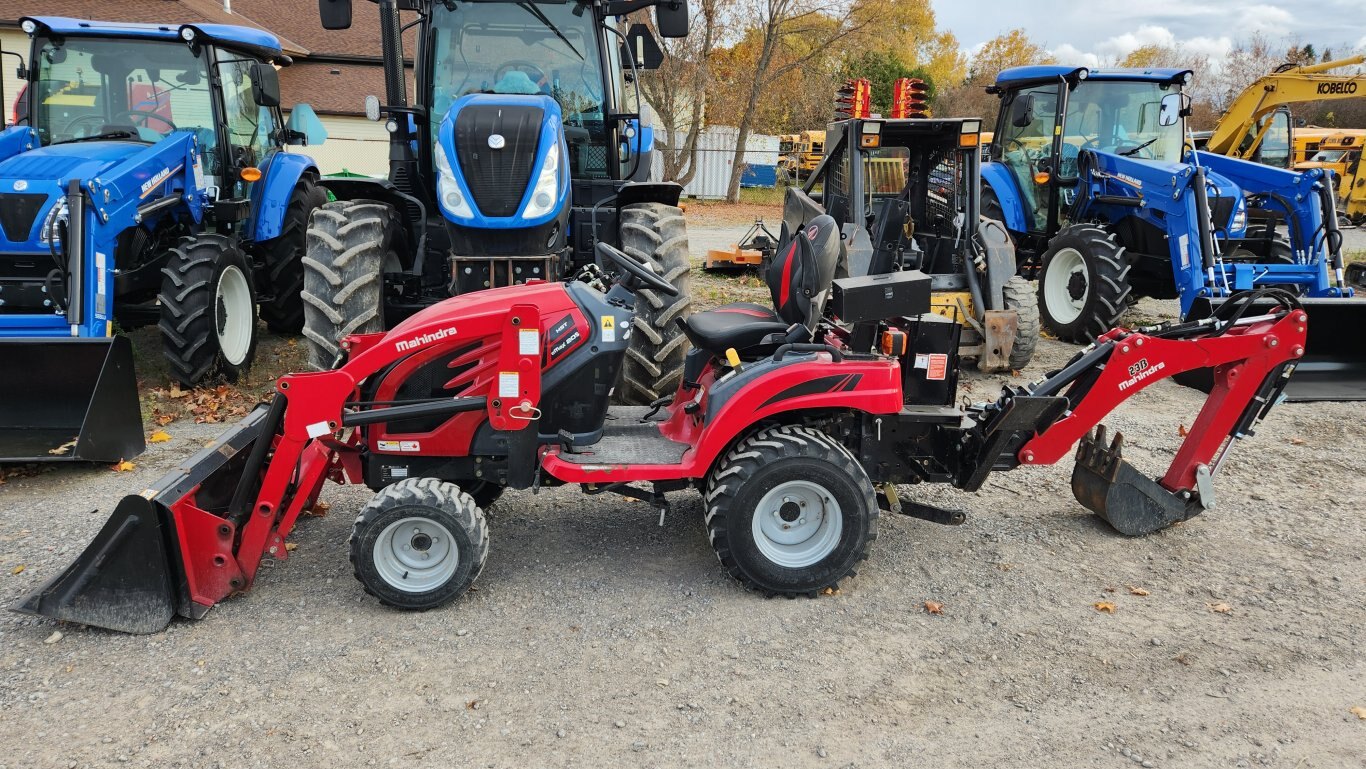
pixel 452 199
pixel 56 216
pixel 1239 216
pixel 547 190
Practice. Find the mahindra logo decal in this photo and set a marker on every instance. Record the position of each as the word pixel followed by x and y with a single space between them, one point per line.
pixel 1139 372
pixel 404 345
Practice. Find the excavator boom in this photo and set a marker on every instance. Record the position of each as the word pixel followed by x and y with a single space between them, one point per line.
pixel 1240 130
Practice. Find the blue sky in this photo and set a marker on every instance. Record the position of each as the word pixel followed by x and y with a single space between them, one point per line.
pixel 1084 31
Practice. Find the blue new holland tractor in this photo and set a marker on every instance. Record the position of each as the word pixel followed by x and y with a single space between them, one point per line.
pixel 522 150
pixel 1107 201
pixel 145 185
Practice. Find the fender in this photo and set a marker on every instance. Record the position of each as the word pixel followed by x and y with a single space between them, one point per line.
pixel 17 139
pixel 1002 183
pixel 667 193
pixel 270 197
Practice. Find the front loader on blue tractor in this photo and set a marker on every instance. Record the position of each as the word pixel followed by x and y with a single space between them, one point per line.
pixel 520 153
pixel 1106 201
pixel 146 185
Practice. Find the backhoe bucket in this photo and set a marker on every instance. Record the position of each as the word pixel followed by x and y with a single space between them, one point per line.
pixel 68 400
pixel 163 552
pixel 1128 500
pixel 1334 363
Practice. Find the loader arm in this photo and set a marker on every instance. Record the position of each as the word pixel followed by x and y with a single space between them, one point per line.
pixel 1237 134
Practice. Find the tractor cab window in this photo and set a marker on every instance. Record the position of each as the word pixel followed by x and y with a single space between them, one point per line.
pixel 1024 143
pixel 1118 117
pixel 526 48
pixel 110 88
pixel 1275 147
pixel 249 125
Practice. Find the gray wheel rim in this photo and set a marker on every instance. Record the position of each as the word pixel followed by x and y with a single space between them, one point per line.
pixel 1057 293
pixel 797 524
pixel 415 555
pixel 233 315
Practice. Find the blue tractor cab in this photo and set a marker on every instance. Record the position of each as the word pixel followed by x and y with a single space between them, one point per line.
pixel 1107 201
pixel 146 185
pixel 523 149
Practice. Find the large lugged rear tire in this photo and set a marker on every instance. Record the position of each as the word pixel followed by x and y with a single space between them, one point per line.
pixel 1020 297
pixel 655 233
pixel 1083 283
pixel 283 257
pixel 208 310
pixel 790 511
pixel 419 544
pixel 349 242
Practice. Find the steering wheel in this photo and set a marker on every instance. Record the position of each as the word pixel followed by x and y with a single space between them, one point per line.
pixel 534 72
pixel 637 269
pixel 92 117
pixel 1016 143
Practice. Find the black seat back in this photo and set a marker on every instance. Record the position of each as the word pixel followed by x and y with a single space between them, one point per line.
pixel 803 269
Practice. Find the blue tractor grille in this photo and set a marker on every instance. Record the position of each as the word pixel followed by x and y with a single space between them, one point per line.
pixel 497 178
pixel 17 212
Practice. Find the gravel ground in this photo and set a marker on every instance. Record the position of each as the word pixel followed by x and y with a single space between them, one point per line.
pixel 597 638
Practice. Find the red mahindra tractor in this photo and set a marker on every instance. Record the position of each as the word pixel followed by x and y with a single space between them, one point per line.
pixel 796 423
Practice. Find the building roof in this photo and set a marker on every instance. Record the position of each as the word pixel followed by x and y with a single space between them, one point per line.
pixel 332 88
pixel 298 20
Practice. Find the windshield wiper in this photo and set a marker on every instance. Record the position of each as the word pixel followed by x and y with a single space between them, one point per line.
pixel 541 17
pixel 1129 152
pixel 97 137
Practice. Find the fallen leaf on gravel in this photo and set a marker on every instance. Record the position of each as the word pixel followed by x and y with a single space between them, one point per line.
pixel 1183 659
pixel 17 569
pixel 291 547
pixel 1137 591
pixel 318 510
pixel 1297 441
pixel 1359 712
pixel 472 704
pixel 830 591
pixel 1221 608
pixel 54 638
pixel 164 419
pixel 1182 431
pixel 160 436
pixel 176 392
pixel 1104 606
pixel 123 466
pixel 934 607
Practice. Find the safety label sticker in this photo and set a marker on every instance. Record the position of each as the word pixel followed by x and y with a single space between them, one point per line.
pixel 399 445
pixel 936 365
pixel 528 341
pixel 509 384
pixel 609 328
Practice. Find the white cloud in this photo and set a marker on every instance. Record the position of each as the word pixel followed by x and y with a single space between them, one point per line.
pixel 1113 49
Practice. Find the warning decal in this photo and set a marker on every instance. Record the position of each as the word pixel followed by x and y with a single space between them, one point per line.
pixel 609 328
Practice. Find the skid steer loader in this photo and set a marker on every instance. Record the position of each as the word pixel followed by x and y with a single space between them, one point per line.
pixel 147 185
pixel 521 152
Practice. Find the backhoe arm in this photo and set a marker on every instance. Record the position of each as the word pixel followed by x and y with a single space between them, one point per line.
pixel 1237 133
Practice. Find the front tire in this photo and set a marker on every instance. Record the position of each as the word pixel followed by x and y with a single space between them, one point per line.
pixel 349 244
pixel 208 310
pixel 656 234
pixel 419 544
pixel 790 511
pixel 283 258
pixel 1083 283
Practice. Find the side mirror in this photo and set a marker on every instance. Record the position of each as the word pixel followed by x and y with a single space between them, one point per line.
pixel 1022 110
pixel 304 121
pixel 372 108
pixel 1174 107
pixel 671 17
pixel 265 85
pixel 642 48
pixel 335 14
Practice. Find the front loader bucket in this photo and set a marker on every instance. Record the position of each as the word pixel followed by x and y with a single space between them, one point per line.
pixel 133 577
pixel 68 400
pixel 1334 363
pixel 1128 500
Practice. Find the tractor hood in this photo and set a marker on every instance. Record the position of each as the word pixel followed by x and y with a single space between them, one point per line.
pixel 32 182
pixel 502 161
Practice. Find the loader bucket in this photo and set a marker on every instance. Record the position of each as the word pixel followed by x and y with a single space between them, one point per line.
pixel 68 400
pixel 1334 363
pixel 134 576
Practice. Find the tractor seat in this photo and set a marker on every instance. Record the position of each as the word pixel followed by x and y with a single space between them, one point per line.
pixel 799 279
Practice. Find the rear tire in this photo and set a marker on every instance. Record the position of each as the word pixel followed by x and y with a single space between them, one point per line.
pixel 283 258
pixel 208 310
pixel 655 233
pixel 1020 297
pixel 419 544
pixel 349 244
pixel 790 511
pixel 1083 283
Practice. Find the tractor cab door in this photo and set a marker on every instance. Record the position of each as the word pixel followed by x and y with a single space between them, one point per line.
pixel 1023 142
pixel 248 128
